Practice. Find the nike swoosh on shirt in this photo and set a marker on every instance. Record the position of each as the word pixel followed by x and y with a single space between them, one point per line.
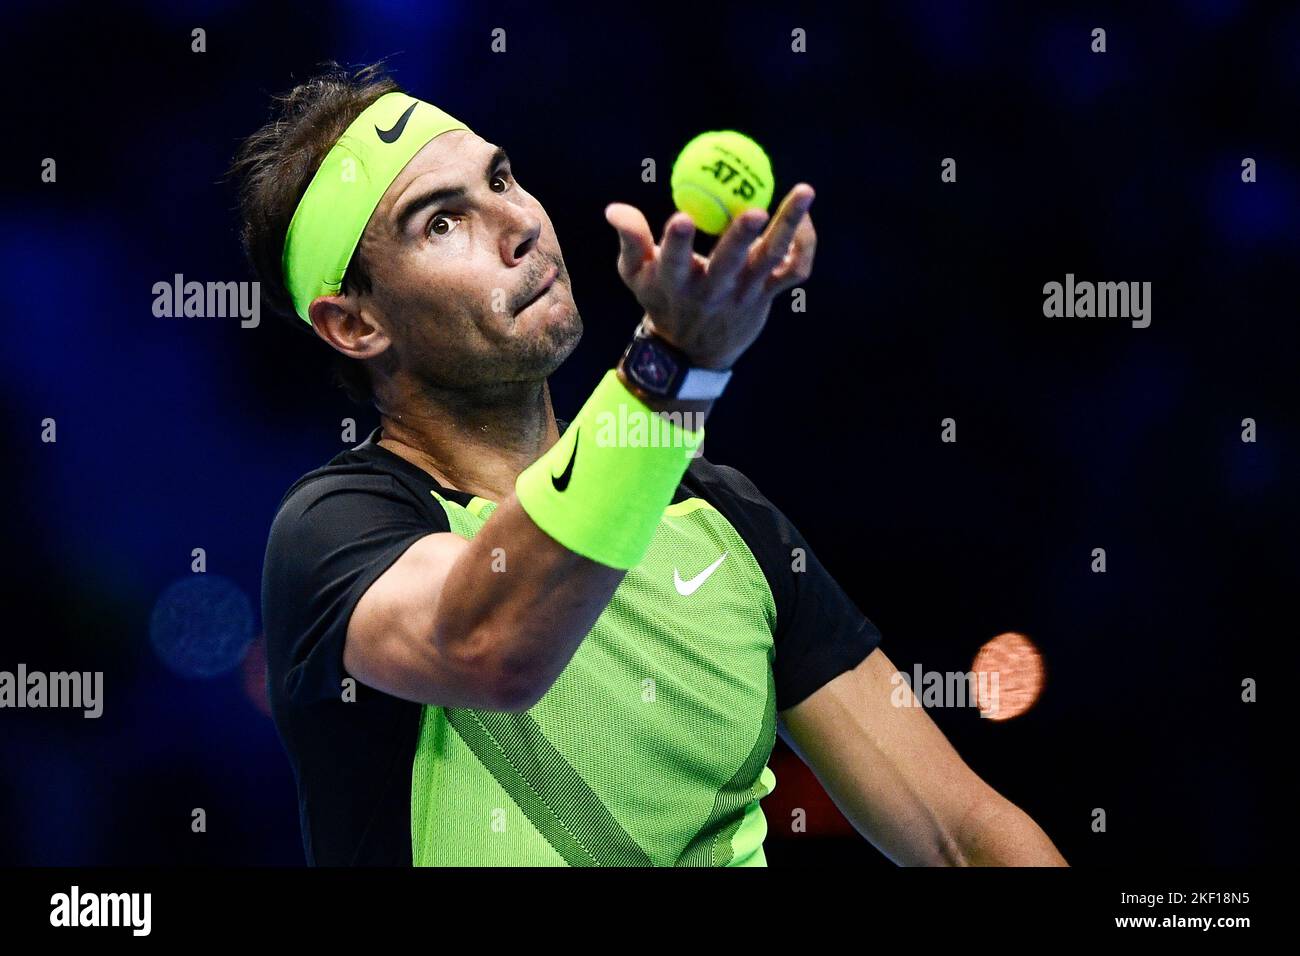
pixel 392 135
pixel 562 481
pixel 687 588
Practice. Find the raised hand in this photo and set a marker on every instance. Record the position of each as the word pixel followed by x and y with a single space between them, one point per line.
pixel 714 308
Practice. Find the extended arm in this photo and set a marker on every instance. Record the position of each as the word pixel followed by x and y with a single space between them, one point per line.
pixel 899 781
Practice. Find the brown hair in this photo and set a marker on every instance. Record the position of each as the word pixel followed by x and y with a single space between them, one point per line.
pixel 274 167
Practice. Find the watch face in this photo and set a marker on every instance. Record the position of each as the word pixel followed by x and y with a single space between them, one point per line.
pixel 651 368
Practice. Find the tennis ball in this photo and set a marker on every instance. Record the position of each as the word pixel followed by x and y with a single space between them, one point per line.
pixel 718 175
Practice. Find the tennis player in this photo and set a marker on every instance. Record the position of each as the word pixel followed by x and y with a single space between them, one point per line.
pixel 499 638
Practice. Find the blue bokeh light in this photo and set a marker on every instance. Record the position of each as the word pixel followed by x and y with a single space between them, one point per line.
pixel 202 626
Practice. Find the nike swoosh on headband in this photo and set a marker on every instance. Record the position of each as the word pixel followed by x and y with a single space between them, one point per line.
pixel 332 214
pixel 394 134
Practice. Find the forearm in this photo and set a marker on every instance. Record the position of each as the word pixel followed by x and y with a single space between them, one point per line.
pixel 998 833
pixel 542 569
pixel 525 599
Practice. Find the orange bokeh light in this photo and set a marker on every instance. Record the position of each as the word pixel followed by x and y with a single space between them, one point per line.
pixel 1015 676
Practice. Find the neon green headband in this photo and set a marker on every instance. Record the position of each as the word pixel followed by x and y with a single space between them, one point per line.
pixel 343 194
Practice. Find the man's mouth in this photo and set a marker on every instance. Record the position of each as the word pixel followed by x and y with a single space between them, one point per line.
pixel 547 282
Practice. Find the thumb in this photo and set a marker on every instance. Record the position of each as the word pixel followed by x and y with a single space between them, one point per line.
pixel 636 245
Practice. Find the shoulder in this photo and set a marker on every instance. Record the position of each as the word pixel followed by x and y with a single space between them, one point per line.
pixel 343 516
pixel 321 491
pixel 723 485
pixel 360 478
pixel 760 522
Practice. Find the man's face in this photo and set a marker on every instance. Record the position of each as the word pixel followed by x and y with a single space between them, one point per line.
pixel 458 252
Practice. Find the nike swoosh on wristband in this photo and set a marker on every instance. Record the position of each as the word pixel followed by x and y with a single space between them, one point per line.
pixel 687 588
pixel 392 135
pixel 562 482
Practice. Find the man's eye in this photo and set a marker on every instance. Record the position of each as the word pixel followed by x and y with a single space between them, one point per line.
pixel 433 224
pixel 434 228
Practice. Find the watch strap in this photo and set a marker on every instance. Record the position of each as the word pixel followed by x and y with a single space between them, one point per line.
pixel 703 383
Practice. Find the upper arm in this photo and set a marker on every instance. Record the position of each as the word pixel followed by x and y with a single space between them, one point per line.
pixel 354 567
pixel 390 638
pixel 889 768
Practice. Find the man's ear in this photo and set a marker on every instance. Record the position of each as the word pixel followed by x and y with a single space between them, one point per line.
pixel 338 320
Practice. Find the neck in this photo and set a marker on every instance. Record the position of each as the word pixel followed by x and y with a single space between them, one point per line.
pixel 477 440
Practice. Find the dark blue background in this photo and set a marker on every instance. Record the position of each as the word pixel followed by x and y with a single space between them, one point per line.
pixel 925 303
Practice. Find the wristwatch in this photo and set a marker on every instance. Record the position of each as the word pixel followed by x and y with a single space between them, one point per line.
pixel 662 370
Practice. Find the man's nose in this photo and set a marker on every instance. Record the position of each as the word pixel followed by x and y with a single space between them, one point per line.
pixel 520 236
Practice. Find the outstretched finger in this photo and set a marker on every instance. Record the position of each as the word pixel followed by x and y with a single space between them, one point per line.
pixel 796 267
pixel 731 253
pixel 774 245
pixel 675 252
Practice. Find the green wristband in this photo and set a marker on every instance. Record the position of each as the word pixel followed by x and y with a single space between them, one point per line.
pixel 602 488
